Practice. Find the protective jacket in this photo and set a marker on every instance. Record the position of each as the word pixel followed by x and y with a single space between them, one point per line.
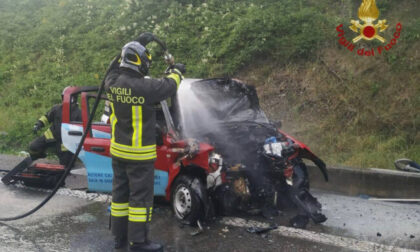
pixel 54 117
pixel 133 98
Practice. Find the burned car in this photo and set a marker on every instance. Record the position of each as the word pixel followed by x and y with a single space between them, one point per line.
pixel 217 153
pixel 260 167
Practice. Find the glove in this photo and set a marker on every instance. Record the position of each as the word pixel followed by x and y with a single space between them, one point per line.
pixel 180 67
pixel 38 125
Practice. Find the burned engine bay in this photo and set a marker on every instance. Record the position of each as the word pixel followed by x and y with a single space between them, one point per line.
pixel 262 166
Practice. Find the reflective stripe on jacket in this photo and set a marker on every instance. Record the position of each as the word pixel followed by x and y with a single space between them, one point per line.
pixel 133 98
pixel 54 117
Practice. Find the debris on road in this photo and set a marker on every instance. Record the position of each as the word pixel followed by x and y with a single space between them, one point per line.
pixel 364 196
pixel 225 230
pixel 199 229
pixel 260 230
pixel 328 239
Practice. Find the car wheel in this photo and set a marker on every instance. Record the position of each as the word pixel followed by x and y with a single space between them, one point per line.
pixel 185 201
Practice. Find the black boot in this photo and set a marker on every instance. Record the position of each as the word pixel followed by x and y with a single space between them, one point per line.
pixel 120 242
pixel 146 247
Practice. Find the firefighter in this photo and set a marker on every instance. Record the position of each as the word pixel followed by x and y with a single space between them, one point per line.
pixel 133 98
pixel 52 136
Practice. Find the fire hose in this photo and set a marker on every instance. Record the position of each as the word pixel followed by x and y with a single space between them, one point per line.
pixel 144 39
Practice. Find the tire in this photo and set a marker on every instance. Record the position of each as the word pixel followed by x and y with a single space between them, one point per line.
pixel 185 201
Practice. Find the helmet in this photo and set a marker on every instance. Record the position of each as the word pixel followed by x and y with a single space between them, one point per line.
pixel 136 57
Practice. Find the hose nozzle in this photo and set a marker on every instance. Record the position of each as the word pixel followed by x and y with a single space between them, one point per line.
pixel 169 59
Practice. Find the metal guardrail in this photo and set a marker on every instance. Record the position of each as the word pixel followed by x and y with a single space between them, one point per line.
pixel 374 182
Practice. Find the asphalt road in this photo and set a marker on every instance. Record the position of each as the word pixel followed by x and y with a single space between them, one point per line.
pixel 76 221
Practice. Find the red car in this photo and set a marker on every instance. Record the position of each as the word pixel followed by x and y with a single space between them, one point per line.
pixel 188 172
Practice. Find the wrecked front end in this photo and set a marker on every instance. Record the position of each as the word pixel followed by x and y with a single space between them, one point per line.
pixel 257 168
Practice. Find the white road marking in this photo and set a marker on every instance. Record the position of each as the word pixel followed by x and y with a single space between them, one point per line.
pixel 328 239
pixel 395 200
pixel 334 240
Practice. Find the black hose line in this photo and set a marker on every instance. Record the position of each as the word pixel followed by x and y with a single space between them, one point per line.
pixel 146 37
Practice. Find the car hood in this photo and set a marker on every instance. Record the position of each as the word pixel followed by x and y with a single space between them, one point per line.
pixel 226 100
pixel 225 113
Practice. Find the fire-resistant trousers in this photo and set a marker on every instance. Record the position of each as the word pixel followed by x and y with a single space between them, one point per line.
pixel 132 199
pixel 39 146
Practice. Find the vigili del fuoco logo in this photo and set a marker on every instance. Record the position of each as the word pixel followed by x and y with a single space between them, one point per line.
pixel 367 28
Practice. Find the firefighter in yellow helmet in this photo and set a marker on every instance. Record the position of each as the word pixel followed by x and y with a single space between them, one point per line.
pixel 132 100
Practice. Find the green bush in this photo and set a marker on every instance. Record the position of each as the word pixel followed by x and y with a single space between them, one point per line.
pixel 47 45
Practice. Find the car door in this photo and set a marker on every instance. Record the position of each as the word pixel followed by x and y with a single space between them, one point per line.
pixel 71 131
pixel 95 155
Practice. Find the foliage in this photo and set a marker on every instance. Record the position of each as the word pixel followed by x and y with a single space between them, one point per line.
pixel 47 45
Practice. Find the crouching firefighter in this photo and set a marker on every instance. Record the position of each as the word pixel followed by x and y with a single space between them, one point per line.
pixel 132 99
pixel 52 136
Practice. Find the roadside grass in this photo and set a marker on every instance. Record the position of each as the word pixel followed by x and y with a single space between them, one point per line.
pixel 351 110
pixel 363 151
pixel 48 45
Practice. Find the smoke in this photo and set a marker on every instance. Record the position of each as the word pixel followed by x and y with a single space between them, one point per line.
pixel 226 114
pixel 195 117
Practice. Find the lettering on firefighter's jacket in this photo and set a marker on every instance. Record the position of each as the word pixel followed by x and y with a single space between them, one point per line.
pixel 123 95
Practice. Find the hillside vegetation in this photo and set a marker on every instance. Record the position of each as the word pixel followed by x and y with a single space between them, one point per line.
pixel 351 110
